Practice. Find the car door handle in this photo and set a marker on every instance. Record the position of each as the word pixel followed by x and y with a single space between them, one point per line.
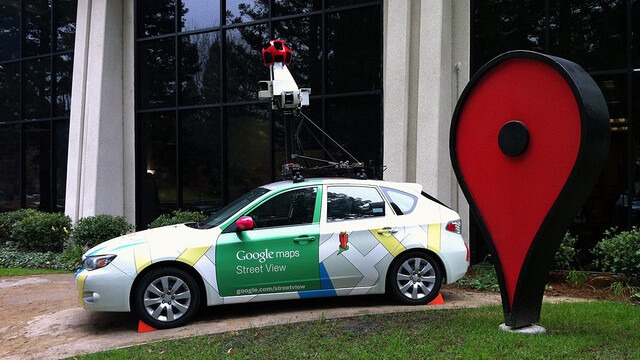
pixel 304 239
pixel 387 230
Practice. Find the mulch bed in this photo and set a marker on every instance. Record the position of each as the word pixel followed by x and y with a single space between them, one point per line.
pixel 596 287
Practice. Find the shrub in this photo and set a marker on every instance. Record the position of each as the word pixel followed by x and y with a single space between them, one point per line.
pixel 91 231
pixel 42 232
pixel 485 278
pixel 71 257
pixel 577 277
pixel 12 258
pixel 8 219
pixel 619 253
pixel 177 217
pixel 566 253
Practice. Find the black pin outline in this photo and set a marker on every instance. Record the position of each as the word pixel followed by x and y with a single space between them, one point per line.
pixel 592 156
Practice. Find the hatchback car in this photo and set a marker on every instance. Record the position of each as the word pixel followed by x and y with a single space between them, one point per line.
pixel 286 240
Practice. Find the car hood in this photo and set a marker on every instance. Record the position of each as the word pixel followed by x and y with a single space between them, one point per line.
pixel 169 234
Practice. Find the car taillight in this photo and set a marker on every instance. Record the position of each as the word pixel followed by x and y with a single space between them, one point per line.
pixel 467 246
pixel 454 226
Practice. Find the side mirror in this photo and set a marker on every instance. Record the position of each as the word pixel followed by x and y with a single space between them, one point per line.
pixel 244 223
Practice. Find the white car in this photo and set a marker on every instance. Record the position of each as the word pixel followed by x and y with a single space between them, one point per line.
pixel 286 240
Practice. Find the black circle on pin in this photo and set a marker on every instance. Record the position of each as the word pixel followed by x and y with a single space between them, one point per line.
pixel 513 138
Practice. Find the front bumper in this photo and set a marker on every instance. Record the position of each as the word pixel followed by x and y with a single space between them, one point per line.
pixel 105 289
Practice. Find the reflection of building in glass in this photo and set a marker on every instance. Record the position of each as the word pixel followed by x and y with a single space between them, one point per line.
pixel 168 89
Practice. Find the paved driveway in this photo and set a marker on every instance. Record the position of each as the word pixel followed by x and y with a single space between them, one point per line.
pixel 40 317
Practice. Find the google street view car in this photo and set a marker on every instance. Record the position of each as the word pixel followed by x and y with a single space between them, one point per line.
pixel 286 240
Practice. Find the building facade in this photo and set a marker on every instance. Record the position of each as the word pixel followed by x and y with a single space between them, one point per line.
pixel 137 108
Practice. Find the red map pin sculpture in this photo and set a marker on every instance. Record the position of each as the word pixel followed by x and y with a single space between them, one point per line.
pixel 529 139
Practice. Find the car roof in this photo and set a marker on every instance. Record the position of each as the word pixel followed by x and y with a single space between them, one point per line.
pixel 413 187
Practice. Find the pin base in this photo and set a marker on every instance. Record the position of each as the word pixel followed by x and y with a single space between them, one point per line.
pixel 532 329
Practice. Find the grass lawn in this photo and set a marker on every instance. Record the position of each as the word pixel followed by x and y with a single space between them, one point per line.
pixel 574 331
pixel 25 271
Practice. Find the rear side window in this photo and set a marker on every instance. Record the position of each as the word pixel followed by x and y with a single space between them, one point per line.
pixel 401 202
pixel 353 202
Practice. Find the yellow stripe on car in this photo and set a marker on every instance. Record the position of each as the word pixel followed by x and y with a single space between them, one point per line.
pixel 142 257
pixel 192 255
pixel 81 279
pixel 388 240
pixel 433 238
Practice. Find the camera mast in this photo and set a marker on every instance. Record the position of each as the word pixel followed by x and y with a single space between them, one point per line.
pixel 288 99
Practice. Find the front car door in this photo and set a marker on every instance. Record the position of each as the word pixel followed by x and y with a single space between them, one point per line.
pixel 280 254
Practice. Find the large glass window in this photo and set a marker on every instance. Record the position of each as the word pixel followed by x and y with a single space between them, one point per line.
pixel 598 35
pixel 36 65
pixel 204 137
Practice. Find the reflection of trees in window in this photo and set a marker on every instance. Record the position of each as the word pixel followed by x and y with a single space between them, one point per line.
pixel 353 52
pixel 239 11
pixel 589 32
pixel 37 166
pixel 302 36
pixel 155 17
pixel 157 73
pixel 10 194
pixel 9 91
pixel 244 65
pixel 200 69
pixel 36 88
pixel 288 7
pixel 36 30
pixel 248 148
pixel 201 159
pixel 503 25
pixel 65 23
pixel 62 84
pixel 10 34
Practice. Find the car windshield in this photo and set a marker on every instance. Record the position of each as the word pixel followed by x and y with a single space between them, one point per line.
pixel 223 214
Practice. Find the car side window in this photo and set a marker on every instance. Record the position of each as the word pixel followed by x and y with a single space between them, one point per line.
pixel 401 202
pixel 289 208
pixel 353 202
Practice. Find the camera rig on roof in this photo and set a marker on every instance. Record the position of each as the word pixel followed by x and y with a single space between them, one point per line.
pixel 287 98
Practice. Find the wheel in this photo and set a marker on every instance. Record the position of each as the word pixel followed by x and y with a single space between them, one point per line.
pixel 166 298
pixel 414 278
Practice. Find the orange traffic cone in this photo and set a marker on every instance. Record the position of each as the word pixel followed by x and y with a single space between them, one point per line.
pixel 437 301
pixel 142 327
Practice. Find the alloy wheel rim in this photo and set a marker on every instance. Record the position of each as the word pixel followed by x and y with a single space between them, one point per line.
pixel 167 298
pixel 416 278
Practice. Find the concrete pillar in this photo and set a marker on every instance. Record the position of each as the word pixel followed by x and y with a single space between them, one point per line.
pixel 426 65
pixel 397 21
pixel 101 132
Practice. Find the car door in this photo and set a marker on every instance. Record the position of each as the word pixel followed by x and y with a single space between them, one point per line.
pixel 280 254
pixel 359 238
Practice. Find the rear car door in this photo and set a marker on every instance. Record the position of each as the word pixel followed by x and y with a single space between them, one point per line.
pixel 359 238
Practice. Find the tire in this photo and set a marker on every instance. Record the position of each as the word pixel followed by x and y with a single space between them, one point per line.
pixel 414 278
pixel 166 298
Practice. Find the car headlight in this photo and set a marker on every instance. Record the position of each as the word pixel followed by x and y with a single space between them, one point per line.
pixel 97 262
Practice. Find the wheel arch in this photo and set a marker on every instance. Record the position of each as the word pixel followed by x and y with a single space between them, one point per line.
pixel 176 264
pixel 420 251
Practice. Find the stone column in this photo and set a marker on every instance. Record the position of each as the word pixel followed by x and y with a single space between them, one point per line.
pixel 99 169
